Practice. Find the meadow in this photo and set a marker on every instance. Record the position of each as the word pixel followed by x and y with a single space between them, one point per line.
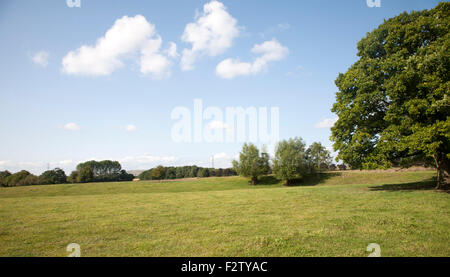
pixel 333 214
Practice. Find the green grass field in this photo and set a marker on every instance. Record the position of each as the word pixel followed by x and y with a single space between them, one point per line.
pixel 335 214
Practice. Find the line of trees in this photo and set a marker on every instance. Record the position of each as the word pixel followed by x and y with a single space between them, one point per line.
pixel 25 178
pixel 292 161
pixel 103 171
pixel 91 171
pixel 165 173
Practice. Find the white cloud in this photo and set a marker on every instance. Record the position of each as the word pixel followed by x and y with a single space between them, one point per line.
pixel 222 155
pixel 275 29
pixel 5 163
pixel 211 34
pixel 130 128
pixel 41 58
pixel 172 50
pixel 223 160
pixel 146 161
pixel 326 123
pixel 127 36
pixel 149 159
pixel 152 61
pixel 71 127
pixel 283 26
pixel 65 162
pixel 269 51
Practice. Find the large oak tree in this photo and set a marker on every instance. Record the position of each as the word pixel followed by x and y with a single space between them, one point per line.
pixel 393 104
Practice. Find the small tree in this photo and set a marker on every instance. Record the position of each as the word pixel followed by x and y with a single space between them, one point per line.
pixel 290 160
pixel 159 172
pixel 318 155
pixel 170 173
pixel 125 176
pixel 203 172
pixel 55 176
pixel 85 175
pixel 3 175
pixel 251 164
pixel 73 177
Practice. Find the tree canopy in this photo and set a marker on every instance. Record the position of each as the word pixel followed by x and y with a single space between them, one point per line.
pixel 393 103
pixel 55 176
pixel 291 161
pixel 318 156
pixel 251 164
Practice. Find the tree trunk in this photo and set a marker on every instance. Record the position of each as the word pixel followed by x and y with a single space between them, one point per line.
pixel 254 180
pixel 442 168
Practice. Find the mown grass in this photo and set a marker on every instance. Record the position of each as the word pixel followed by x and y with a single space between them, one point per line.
pixel 334 214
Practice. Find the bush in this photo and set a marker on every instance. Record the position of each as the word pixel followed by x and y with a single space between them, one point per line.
pixel 291 160
pixel 203 172
pixel 3 175
pixel 21 178
pixel 55 176
pixel 85 175
pixel 125 176
pixel 251 164
pixel 73 178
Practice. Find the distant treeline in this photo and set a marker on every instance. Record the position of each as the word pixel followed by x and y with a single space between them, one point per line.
pixel 161 172
pixel 91 171
pixel 103 171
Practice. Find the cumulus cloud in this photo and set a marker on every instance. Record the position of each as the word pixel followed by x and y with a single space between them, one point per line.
pixel 222 155
pixel 211 34
pixel 172 50
pixel 326 123
pixel 126 37
pixel 275 29
pixel 5 163
pixel 146 161
pixel 40 58
pixel 130 128
pixel 269 51
pixel 71 127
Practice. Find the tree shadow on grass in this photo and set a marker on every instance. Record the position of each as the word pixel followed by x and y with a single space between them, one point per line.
pixel 312 179
pixel 268 180
pixel 428 184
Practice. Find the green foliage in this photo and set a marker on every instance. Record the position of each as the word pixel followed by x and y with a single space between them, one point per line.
pixel 125 176
pixel 318 156
pixel 291 160
pixel 103 171
pixel 3 175
pixel 55 176
pixel 188 172
pixel 159 172
pixel 393 103
pixel 85 175
pixel 203 172
pixel 21 178
pixel 73 177
pixel 170 173
pixel 251 164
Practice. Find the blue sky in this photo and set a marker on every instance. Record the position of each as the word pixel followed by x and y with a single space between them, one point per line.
pixel 119 106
